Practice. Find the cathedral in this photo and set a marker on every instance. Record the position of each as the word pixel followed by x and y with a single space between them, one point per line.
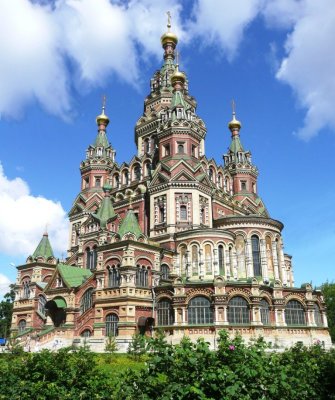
pixel 171 240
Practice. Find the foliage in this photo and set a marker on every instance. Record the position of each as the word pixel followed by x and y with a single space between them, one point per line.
pixel 110 347
pixel 6 310
pixel 187 371
pixel 328 290
pixel 138 346
pixel 235 371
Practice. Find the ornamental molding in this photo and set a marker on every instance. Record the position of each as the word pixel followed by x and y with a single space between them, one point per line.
pixel 239 292
pixel 295 296
pixel 198 292
pixel 164 294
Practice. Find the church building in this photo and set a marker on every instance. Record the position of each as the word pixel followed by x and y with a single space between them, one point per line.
pixel 171 240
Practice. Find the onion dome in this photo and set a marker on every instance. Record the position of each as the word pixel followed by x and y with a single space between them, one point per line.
pixel 234 124
pixel 102 119
pixel 178 76
pixel 169 37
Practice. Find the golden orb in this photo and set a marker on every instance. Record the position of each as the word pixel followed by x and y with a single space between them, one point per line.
pixel 234 124
pixel 169 37
pixel 102 119
pixel 178 76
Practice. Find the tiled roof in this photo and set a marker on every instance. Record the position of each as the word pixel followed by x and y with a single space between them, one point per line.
pixel 44 248
pixel 73 276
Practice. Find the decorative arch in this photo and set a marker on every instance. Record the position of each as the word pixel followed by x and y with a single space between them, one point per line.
pixel 199 310
pixel 238 310
pixel 112 324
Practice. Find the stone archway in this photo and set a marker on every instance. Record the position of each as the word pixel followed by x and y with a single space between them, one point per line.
pixel 56 310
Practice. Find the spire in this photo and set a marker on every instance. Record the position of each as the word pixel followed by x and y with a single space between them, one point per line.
pixel 106 211
pixel 235 126
pixel 44 248
pixel 130 224
pixel 102 119
pixel 169 40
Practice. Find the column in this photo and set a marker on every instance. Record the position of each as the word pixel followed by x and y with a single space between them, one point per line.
pixel 275 260
pixel 264 263
pixel 248 257
pixel 282 265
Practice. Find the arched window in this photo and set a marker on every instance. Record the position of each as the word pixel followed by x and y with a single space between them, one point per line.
pixel 208 259
pixel 147 169
pixel 86 301
pixel 238 311
pixel 161 213
pixel 88 258
pixel 41 304
pixel 86 333
pixel 113 276
pixel 269 256
pixel 317 315
pixel 265 312
pixel 116 181
pixel 183 212
pixel 165 313
pixel 26 289
pixel 256 256
pixel 94 258
pixel 221 259
pixel 182 259
pixel 295 313
pixel 125 178
pixel 195 260
pixel 200 311
pixel 22 325
pixel 112 321
pixel 147 146
pixel 137 173
pixel 165 271
pixel 142 276
pixel 210 174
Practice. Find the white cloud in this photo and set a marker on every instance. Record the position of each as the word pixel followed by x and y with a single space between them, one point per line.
pixel 223 22
pixel 310 64
pixel 98 37
pixel 23 218
pixel 4 285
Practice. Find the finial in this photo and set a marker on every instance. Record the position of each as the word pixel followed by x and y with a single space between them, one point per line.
pixel 103 103
pixel 46 230
pixel 177 59
pixel 102 119
pixel 169 20
pixel 234 125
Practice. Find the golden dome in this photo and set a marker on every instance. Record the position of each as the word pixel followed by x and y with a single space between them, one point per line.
pixel 169 37
pixel 234 124
pixel 177 75
pixel 102 119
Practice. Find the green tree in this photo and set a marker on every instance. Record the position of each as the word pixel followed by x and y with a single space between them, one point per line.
pixel 111 347
pixel 6 310
pixel 328 290
pixel 138 346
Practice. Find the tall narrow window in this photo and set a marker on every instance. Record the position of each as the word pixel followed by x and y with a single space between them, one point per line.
pixel 142 276
pixel 317 315
pixel 200 311
pixel 165 271
pixel 238 311
pixel 113 277
pixel 97 181
pixel 182 259
pixel 221 259
pixel 243 185
pixel 88 258
pixel 137 173
pixel 265 312
pixel 112 322
pixel 41 304
pixel 26 289
pixel 256 257
pixel 295 313
pixel 183 212
pixel 94 258
pixel 161 213
pixel 165 313
pixel 147 146
pixel 195 261
pixel 86 301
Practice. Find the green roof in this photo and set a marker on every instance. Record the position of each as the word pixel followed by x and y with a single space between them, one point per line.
pixel 73 276
pixel 106 211
pixel 130 225
pixel 236 144
pixel 44 248
pixel 101 140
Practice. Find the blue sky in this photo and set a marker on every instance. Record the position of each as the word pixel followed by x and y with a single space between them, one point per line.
pixel 57 59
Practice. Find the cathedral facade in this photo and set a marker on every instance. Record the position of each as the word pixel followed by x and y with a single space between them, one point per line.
pixel 171 240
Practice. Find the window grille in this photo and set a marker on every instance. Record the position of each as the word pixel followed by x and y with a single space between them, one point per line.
pixel 41 304
pixel 165 271
pixel 200 311
pixel 221 260
pixel 26 290
pixel 165 313
pixel 22 325
pixel 294 313
pixel 265 312
pixel 86 301
pixel 238 311
pixel 256 256
pixel 183 213
pixel 142 276
pixel 113 276
pixel 112 322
